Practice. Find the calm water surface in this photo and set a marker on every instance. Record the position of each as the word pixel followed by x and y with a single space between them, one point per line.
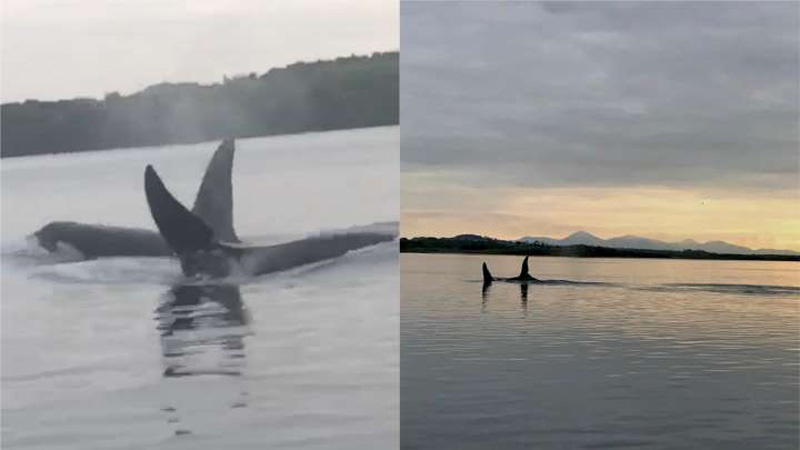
pixel 656 354
pixel 118 354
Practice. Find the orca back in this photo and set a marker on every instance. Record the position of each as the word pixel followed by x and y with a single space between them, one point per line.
pixel 487 276
pixel 214 202
pixel 524 273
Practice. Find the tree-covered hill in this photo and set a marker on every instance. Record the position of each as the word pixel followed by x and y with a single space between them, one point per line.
pixel 487 245
pixel 349 92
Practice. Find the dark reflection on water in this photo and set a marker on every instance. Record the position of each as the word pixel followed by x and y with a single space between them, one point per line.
pixel 202 330
pixel 486 296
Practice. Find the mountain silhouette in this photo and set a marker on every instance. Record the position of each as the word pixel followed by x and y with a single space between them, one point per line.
pixel 643 243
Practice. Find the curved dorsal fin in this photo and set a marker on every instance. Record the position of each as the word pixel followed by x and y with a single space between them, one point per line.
pixel 214 202
pixel 184 232
pixel 523 273
pixel 487 276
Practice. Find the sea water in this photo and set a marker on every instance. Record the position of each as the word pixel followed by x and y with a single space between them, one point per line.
pixel 119 353
pixel 623 353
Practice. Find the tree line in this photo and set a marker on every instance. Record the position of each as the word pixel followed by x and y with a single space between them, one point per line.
pixel 348 92
pixel 485 245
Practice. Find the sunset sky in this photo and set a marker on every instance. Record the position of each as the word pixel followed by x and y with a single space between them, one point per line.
pixel 666 120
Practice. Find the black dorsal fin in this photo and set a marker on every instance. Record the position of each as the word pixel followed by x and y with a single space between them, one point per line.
pixel 214 202
pixel 524 273
pixel 183 230
pixel 487 276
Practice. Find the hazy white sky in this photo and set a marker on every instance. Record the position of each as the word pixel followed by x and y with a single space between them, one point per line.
pixel 56 49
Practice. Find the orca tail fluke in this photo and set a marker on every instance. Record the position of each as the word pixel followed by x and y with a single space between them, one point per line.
pixel 183 231
pixel 487 276
pixel 524 273
pixel 214 202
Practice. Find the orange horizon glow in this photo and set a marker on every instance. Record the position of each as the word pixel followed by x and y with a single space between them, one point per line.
pixel 757 220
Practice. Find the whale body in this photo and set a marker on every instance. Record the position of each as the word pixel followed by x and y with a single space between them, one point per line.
pixel 97 241
pixel 523 277
pixel 204 238
pixel 203 251
pixel 213 203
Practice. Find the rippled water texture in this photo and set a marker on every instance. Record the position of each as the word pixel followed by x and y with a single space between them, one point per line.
pixel 659 354
pixel 117 353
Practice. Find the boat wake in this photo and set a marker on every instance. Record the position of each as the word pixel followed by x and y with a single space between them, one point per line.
pixel 745 289
pixel 66 266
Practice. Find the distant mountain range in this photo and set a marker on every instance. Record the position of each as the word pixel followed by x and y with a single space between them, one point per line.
pixel 638 242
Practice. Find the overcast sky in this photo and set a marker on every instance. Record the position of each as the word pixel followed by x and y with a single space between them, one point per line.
pixel 666 119
pixel 54 49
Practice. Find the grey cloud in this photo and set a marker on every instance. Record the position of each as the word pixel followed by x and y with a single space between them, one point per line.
pixel 602 93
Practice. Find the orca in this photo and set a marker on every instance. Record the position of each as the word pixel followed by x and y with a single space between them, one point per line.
pixel 214 204
pixel 97 241
pixel 523 277
pixel 204 252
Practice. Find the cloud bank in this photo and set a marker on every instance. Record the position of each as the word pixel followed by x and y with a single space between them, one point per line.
pixel 667 119
pixel 627 93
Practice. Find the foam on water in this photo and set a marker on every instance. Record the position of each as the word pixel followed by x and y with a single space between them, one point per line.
pixel 122 270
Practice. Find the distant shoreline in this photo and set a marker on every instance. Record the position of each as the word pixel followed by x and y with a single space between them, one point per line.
pixel 498 247
pixel 339 94
pixel 180 144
